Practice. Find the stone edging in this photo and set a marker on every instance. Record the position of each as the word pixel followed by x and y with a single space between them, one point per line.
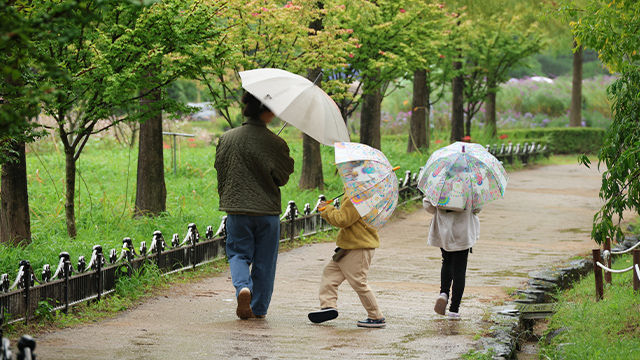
pixel 541 288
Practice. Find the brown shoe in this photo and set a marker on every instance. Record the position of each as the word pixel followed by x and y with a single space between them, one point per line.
pixel 244 304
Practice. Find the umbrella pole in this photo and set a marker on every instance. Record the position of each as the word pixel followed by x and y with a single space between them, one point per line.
pixel 282 128
pixel 317 77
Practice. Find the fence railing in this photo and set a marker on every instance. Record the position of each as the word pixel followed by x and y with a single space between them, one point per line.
pixel 605 256
pixel 524 153
pixel 69 285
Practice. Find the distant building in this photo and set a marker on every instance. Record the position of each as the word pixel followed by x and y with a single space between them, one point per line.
pixel 206 113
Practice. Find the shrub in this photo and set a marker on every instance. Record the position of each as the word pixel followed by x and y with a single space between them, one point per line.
pixel 542 102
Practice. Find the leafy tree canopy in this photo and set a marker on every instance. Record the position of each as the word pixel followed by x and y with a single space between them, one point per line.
pixel 392 39
pixel 610 28
pixel 274 35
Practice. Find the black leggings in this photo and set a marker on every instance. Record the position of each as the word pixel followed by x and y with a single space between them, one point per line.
pixel 454 269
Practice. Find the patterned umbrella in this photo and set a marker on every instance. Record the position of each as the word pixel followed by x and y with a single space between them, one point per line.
pixel 462 175
pixel 369 181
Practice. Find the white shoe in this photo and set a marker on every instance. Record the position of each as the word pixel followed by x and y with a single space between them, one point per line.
pixel 454 315
pixel 441 304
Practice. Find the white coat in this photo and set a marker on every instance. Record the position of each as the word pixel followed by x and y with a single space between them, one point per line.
pixel 452 230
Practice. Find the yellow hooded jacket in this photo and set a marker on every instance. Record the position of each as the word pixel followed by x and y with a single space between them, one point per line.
pixel 354 233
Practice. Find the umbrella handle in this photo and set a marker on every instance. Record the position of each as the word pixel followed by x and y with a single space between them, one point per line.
pixel 396 168
pixel 330 201
pixel 282 128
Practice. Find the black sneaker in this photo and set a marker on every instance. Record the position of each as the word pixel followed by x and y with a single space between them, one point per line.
pixel 372 323
pixel 323 315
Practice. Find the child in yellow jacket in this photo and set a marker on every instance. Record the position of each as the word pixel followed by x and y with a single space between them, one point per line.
pixel 356 245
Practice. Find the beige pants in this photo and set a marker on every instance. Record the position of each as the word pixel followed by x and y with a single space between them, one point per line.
pixel 353 267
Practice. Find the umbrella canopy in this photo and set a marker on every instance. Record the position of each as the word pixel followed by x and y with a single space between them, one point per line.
pixel 462 175
pixel 299 102
pixel 369 181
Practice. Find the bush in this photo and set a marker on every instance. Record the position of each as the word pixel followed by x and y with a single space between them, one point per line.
pixel 544 103
pixel 573 140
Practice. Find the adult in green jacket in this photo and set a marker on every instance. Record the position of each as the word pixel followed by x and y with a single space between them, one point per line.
pixel 252 163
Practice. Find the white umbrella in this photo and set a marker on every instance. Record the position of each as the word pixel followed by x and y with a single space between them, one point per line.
pixel 299 102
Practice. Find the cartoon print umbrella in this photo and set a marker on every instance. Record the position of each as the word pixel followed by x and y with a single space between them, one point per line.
pixel 369 181
pixel 298 102
pixel 462 175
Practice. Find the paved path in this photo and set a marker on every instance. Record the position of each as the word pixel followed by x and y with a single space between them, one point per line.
pixel 544 219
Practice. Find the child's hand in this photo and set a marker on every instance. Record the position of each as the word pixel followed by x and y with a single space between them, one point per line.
pixel 322 205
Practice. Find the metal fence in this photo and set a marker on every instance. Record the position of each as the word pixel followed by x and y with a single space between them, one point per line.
pixel 525 152
pixel 70 285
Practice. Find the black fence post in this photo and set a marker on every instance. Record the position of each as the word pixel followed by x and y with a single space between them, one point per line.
pixel 5 345
pixel 26 278
pixel 159 246
pixel 99 260
pixel 291 217
pixel 26 345
pixel 193 233
pixel 67 274
pixel 128 245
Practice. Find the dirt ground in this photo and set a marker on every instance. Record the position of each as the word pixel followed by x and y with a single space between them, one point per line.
pixel 544 219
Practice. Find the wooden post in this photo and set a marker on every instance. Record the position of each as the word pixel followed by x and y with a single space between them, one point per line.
pixel 598 275
pixel 607 260
pixel 636 262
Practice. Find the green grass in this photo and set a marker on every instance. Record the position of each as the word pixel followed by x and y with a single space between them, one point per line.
pixel 606 329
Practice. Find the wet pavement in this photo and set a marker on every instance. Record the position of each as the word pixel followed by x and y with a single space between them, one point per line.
pixel 544 219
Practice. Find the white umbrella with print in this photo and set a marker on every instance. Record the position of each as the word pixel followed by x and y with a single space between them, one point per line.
pixel 462 175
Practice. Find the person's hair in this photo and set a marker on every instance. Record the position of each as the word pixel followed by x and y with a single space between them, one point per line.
pixel 252 106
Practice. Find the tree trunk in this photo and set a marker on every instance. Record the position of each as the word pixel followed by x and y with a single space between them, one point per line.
pixel 490 113
pixel 311 175
pixel 370 118
pixel 418 132
pixel 457 104
pixel 575 112
pixel 151 191
pixel 70 193
pixel 15 223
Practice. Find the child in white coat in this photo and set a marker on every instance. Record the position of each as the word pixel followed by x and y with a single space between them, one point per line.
pixel 454 232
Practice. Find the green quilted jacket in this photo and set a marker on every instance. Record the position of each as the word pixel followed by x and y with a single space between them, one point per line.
pixel 252 163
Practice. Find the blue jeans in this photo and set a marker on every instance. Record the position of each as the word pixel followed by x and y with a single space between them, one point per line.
pixel 252 250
